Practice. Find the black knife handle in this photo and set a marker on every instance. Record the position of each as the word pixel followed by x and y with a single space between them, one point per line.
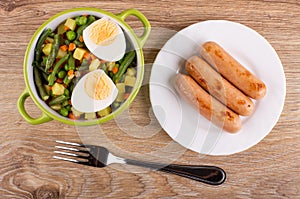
pixel 208 174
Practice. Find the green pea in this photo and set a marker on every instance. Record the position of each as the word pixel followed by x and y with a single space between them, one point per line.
pixel 61 74
pixel 82 20
pixel 77 20
pixel 71 35
pixel 64 112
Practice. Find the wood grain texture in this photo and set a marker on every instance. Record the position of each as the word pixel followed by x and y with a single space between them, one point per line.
pixel 268 170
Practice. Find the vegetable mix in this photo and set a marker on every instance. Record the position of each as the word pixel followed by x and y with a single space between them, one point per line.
pixel 61 59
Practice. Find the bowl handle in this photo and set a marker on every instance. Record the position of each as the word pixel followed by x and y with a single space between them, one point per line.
pixel 147 27
pixel 21 102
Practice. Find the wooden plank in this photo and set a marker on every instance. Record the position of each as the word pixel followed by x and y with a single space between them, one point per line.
pixel 268 170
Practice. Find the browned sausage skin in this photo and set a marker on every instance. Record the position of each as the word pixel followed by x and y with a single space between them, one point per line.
pixel 219 87
pixel 206 105
pixel 232 70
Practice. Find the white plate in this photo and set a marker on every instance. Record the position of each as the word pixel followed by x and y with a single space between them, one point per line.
pixel 182 122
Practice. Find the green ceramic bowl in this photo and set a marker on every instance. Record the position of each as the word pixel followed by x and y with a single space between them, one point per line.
pixel 47 113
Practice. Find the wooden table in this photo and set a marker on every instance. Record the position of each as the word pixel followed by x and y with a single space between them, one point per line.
pixel 268 170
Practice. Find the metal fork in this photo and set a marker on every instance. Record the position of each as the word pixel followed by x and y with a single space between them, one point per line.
pixel 98 156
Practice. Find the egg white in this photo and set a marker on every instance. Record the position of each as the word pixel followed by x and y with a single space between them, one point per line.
pixel 112 52
pixel 83 103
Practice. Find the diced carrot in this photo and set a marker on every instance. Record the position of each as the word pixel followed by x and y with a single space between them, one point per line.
pixel 50 88
pixel 70 102
pixel 59 80
pixel 66 28
pixel 72 116
pixel 72 46
pixel 70 72
pixel 81 38
pixel 64 47
pixel 115 70
pixel 126 96
pixel 86 55
pixel 85 15
pixel 50 70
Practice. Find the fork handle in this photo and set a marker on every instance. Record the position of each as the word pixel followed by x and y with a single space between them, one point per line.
pixel 208 174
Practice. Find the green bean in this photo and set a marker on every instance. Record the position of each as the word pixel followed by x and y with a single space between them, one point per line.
pixel 124 65
pixel 110 74
pixel 38 48
pixel 85 62
pixel 67 42
pixel 67 79
pixel 53 52
pixel 66 67
pixel 78 43
pixel 103 67
pixel 71 62
pixel 45 76
pixel 56 68
pixel 68 107
pixel 67 92
pixel 39 84
pixel 83 68
pixel 72 86
pixel 65 103
pixel 54 79
pixel 56 107
pixel 44 61
pixel 41 69
pixel 52 34
pixel 121 60
pixel 58 100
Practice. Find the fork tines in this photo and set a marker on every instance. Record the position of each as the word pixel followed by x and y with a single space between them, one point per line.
pixel 76 152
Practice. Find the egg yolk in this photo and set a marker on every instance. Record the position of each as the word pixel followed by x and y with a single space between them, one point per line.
pixel 103 32
pixel 97 86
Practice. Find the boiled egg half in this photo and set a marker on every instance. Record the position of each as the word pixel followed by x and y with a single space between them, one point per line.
pixel 105 39
pixel 94 92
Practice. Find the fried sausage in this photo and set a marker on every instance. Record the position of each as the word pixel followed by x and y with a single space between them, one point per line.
pixel 232 70
pixel 207 105
pixel 219 87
